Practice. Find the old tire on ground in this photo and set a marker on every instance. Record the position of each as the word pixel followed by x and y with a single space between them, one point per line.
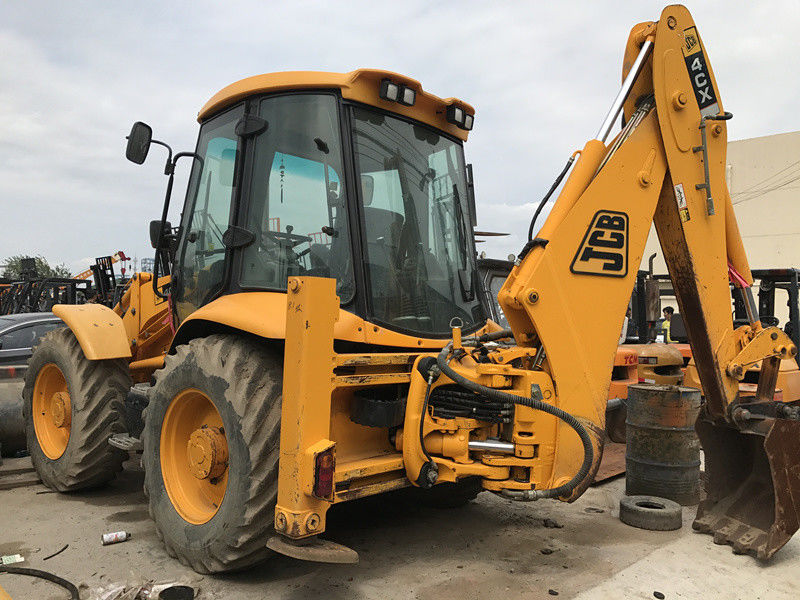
pixel 449 495
pixel 211 447
pixel 72 405
pixel 650 512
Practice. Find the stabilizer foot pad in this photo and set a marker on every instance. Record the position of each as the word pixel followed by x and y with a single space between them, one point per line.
pixel 313 550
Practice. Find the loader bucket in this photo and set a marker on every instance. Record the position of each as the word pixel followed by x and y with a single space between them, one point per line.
pixel 752 485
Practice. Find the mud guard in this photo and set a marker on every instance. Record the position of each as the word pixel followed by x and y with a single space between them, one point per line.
pixel 99 330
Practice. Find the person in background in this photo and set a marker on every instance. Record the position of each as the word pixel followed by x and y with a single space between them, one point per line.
pixel 668 310
pixel 624 335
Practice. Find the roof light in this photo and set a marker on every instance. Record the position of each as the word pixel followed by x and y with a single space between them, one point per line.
pixel 396 92
pixel 455 115
pixel 468 121
pixel 458 116
pixel 408 96
pixel 389 91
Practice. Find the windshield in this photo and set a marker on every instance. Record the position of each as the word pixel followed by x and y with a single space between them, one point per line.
pixel 419 253
pixel 201 261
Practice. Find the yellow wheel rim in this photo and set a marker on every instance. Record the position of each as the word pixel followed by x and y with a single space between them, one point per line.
pixel 194 456
pixel 52 411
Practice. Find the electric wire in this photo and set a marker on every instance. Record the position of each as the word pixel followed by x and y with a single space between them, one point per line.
pixel 766 179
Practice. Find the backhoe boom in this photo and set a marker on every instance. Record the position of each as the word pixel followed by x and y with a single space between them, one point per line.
pixel 566 297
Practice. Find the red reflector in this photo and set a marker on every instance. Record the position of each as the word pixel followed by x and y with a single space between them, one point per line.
pixel 324 467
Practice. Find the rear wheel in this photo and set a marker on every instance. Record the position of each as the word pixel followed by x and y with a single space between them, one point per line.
pixel 72 405
pixel 211 447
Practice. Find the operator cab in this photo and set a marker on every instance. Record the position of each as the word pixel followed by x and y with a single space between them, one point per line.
pixel 360 177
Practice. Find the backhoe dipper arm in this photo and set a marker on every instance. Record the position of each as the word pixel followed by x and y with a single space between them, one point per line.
pixel 569 292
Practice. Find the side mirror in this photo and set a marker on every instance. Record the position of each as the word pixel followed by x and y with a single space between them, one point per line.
pixel 155 226
pixel 138 142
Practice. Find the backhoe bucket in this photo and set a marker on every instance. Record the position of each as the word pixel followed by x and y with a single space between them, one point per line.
pixel 752 485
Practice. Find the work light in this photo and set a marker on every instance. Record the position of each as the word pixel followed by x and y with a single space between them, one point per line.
pixel 396 92
pixel 407 96
pixel 468 121
pixel 455 115
pixel 390 91
pixel 459 117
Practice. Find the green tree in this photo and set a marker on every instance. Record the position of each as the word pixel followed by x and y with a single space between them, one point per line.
pixel 12 267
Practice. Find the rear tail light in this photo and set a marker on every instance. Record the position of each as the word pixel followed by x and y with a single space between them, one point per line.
pixel 324 468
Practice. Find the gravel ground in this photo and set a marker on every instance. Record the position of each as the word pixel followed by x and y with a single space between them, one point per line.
pixel 492 548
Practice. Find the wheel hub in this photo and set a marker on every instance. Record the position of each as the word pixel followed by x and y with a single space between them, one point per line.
pixel 207 453
pixel 51 411
pixel 61 409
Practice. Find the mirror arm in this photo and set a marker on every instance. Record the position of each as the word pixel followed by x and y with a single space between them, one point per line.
pixel 170 166
pixel 169 170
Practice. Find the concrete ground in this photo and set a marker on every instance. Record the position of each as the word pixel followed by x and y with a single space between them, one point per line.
pixel 492 548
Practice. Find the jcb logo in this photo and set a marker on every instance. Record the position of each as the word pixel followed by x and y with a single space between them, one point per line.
pixel 604 249
pixel 691 42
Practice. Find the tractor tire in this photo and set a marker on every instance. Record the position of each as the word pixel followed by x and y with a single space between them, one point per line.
pixel 71 406
pixel 230 388
pixel 449 495
pixel 650 512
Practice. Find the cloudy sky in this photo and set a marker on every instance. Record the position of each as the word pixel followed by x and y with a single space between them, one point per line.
pixel 75 75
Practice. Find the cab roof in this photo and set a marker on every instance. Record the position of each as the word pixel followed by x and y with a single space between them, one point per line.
pixel 361 85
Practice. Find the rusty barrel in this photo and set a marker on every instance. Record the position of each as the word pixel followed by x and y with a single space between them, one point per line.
pixel 663 453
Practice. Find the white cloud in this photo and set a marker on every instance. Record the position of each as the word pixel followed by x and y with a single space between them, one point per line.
pixel 75 75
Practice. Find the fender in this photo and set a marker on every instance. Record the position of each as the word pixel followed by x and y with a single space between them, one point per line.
pixel 264 314
pixel 99 330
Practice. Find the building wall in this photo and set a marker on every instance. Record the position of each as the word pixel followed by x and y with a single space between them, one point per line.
pixel 764 181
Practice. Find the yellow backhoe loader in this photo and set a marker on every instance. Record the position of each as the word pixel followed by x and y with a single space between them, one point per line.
pixel 320 335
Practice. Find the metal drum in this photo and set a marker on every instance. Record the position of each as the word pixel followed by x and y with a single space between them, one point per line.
pixel 663 453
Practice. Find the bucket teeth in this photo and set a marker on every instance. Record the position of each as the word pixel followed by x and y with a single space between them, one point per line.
pixel 752 486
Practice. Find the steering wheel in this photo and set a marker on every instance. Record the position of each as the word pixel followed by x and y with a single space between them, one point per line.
pixel 284 240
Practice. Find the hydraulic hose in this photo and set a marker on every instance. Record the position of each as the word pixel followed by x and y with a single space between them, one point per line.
pixel 493 336
pixel 588 451
pixel 549 193
pixel 67 585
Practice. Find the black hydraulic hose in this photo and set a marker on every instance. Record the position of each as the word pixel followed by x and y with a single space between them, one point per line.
pixel 70 587
pixel 422 422
pixel 588 450
pixel 494 336
pixel 548 194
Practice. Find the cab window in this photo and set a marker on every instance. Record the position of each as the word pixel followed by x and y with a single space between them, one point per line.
pixel 298 204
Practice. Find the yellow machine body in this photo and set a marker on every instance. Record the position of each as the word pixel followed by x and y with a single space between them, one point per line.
pixel 564 300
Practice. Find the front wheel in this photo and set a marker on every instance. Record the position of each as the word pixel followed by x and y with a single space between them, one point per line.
pixel 72 405
pixel 211 447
